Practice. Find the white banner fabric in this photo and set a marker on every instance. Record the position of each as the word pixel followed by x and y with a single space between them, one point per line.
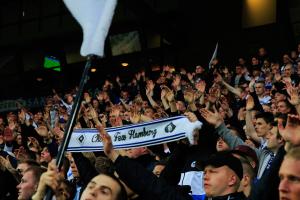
pixel 136 135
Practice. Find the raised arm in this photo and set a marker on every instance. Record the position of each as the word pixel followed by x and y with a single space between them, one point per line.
pixel 250 129
pixel 137 177
pixel 233 90
pixel 215 119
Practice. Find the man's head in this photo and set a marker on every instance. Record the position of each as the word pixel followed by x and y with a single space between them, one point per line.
pixel 137 152
pixel 263 123
pixel 29 183
pixel 256 71
pixel 284 107
pixel 104 187
pixel 288 70
pixel 280 95
pixel 286 59
pixel 248 176
pixel 73 167
pixel 45 155
pixel 260 88
pixel 262 52
pixel 275 67
pixel 222 174
pixel 289 173
pixel 274 139
pixel 254 60
pixel 199 69
pixel 222 145
pixel 24 165
pixel 238 69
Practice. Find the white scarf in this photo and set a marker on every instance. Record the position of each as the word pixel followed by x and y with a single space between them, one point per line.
pixel 136 135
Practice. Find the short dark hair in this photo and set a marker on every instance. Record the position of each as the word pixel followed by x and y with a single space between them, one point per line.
pixel 30 162
pixel 37 172
pixel 267 116
pixel 122 195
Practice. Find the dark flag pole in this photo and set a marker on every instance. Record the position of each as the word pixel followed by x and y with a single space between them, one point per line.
pixel 72 120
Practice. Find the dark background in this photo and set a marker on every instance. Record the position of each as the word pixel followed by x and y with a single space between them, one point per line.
pixel 184 33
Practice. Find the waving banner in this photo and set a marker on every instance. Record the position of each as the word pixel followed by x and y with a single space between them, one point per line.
pixel 144 134
pixel 94 16
pixel 214 56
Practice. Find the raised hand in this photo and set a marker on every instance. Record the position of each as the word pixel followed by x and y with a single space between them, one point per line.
pixel 218 78
pixel 294 95
pixel 93 113
pixel 49 178
pixel 163 93
pixel 250 103
pixel 191 116
pixel 190 76
pixel 170 96
pixel 149 92
pixel 213 118
pixel 251 85
pixel 291 132
pixel 200 86
pixel 42 131
pixel 189 97
pixel 107 144
pixel 5 163
pixel 135 117
pixel 213 95
pixel 100 96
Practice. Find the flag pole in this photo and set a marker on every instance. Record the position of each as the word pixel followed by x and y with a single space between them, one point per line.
pixel 71 122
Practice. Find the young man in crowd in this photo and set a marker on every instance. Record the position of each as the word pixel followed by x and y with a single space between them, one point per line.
pixel 29 183
pixel 223 173
pixel 289 173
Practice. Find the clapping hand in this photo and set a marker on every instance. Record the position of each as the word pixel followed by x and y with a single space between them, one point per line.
pixel 291 132
pixel 294 94
pixel 213 118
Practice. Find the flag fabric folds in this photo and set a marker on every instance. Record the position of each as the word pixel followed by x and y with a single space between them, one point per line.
pixel 214 56
pixel 94 17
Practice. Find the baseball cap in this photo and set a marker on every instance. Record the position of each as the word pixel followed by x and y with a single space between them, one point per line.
pixel 226 158
pixel 245 150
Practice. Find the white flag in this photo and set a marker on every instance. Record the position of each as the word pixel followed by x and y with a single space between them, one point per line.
pixel 214 55
pixel 94 16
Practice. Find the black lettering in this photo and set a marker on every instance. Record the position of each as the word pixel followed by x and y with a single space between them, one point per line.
pixel 131 134
pixel 119 137
pixel 96 138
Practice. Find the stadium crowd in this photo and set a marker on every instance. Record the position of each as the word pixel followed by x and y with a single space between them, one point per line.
pixel 247 147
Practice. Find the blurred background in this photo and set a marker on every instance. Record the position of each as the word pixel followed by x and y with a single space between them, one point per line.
pixel 40 40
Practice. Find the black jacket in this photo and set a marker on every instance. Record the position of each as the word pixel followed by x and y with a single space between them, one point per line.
pixel 147 184
pixel 267 187
pixel 232 196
